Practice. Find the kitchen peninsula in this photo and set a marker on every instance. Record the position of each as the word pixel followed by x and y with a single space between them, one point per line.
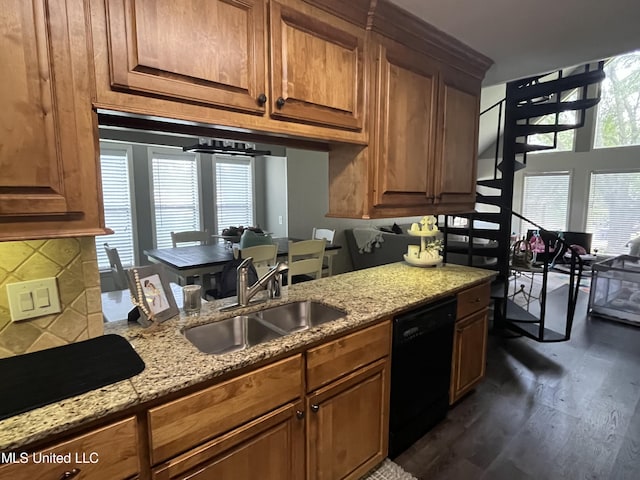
pixel 176 371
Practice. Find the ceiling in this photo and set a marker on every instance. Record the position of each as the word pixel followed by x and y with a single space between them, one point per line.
pixel 526 38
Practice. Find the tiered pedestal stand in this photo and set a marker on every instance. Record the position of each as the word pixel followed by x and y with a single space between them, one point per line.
pixel 417 262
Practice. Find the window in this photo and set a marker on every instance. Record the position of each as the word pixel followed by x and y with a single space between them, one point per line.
pixel 564 142
pixel 175 193
pixel 115 165
pixel 545 200
pixel 618 120
pixel 613 212
pixel 234 192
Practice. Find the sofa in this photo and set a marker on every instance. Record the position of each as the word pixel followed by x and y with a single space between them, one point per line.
pixel 388 247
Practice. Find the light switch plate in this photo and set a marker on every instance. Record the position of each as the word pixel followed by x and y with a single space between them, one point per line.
pixel 33 298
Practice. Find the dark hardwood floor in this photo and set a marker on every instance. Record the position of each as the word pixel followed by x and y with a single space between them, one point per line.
pixel 545 411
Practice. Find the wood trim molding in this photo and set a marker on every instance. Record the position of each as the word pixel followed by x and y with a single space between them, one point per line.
pixel 394 22
pixel 354 11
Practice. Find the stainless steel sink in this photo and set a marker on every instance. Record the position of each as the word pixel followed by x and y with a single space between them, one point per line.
pixel 293 317
pixel 230 335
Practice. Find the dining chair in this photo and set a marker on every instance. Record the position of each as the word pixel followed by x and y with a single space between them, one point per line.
pixel 264 257
pixel 305 260
pixel 191 236
pixel 117 271
pixel 327 234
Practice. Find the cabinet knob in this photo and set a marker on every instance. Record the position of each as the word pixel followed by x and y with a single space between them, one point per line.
pixel 262 99
pixel 315 408
pixel 300 414
pixel 280 102
pixel 70 474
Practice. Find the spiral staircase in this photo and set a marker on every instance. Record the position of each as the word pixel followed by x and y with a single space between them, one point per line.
pixel 488 229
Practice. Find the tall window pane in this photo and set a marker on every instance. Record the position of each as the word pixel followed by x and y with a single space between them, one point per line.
pixel 613 214
pixel 115 163
pixel 176 194
pixel 545 201
pixel 234 192
pixel 618 120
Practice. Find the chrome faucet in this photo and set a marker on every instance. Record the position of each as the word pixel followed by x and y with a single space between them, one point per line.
pixel 272 279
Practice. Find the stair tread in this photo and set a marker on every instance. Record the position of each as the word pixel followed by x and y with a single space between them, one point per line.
pixel 515 313
pixel 516 166
pixel 493 234
pixel 528 147
pixel 489 217
pixel 492 183
pixel 523 130
pixel 541 109
pixel 559 85
pixel 531 330
pixel 490 199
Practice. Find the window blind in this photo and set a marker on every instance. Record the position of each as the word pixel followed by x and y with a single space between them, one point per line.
pixel 613 212
pixel 176 194
pixel 545 200
pixel 116 194
pixel 234 192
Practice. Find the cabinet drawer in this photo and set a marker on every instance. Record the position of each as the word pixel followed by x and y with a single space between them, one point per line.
pixel 108 453
pixel 473 299
pixel 186 422
pixel 339 357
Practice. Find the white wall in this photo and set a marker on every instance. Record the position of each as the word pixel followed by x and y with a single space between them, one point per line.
pixel 308 199
pixel 275 197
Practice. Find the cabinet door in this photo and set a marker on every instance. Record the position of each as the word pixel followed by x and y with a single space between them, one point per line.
pixel 48 145
pixel 209 52
pixel 270 448
pixel 348 424
pixel 469 354
pixel 456 158
pixel 317 68
pixel 94 455
pixel 405 93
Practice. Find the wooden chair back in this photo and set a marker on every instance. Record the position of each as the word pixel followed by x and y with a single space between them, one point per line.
pixel 117 272
pixel 264 257
pixel 190 237
pixel 305 258
pixel 320 233
pixel 327 234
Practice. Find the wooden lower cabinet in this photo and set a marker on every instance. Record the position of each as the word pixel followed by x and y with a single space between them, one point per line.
pixel 469 354
pixel 106 453
pixel 347 424
pixel 270 448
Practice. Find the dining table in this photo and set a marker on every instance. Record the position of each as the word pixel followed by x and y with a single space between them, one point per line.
pixel 190 261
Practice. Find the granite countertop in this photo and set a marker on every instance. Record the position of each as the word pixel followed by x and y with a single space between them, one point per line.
pixel 173 363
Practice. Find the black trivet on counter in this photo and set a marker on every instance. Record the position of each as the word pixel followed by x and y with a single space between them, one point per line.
pixel 35 379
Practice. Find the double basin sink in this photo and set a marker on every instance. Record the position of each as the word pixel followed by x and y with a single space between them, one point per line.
pixel 244 331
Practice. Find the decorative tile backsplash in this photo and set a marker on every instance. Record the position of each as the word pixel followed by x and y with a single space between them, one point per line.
pixel 74 263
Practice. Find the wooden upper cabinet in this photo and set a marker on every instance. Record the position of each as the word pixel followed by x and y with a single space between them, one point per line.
pixel 48 145
pixel 406 88
pixel 317 68
pixel 457 137
pixel 209 52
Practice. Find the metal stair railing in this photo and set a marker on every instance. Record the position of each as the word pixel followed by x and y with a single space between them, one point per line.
pixel 555 244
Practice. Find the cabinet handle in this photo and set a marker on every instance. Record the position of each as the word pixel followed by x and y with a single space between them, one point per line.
pixel 299 414
pixel 315 408
pixel 262 99
pixel 477 300
pixel 280 102
pixel 70 474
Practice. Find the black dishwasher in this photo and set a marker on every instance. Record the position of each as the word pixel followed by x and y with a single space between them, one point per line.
pixel 420 372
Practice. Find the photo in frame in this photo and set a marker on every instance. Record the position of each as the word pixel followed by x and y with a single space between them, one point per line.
pixel 151 293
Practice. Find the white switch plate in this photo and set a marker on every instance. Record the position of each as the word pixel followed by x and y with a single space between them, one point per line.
pixel 19 291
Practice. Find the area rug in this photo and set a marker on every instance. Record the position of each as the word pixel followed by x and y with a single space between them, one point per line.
pixel 389 471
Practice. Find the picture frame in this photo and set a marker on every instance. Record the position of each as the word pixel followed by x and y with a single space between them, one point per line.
pixel 151 293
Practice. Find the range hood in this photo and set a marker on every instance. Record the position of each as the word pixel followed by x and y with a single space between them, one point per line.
pixel 227 148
